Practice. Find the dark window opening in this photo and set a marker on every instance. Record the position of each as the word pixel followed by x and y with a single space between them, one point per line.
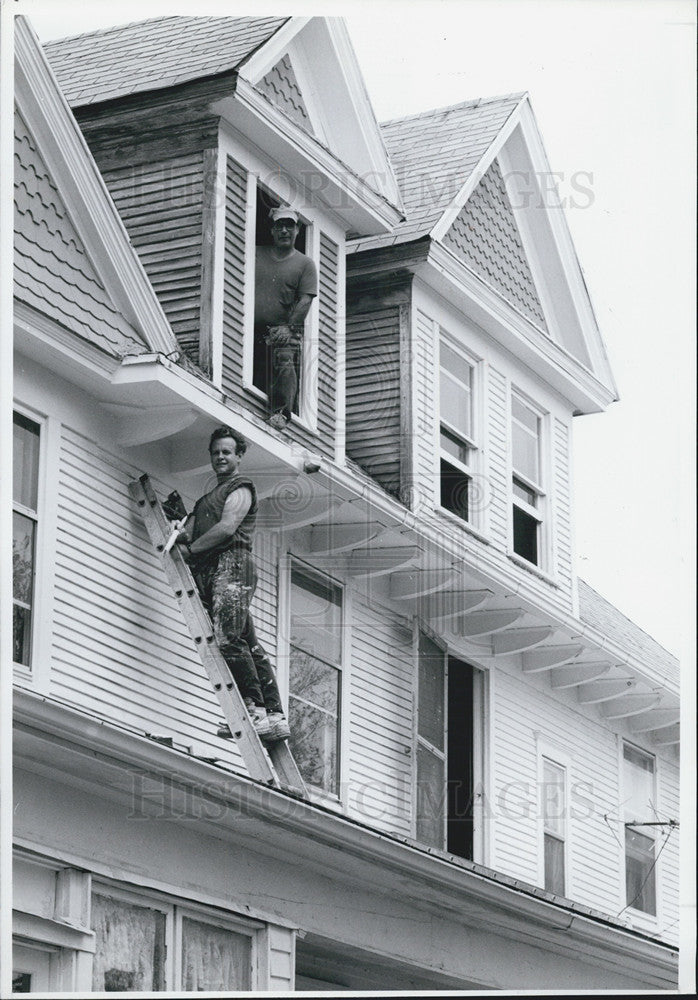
pixel 640 885
pixel 21 982
pixel 261 361
pixel 455 487
pixel 525 535
pixel 461 782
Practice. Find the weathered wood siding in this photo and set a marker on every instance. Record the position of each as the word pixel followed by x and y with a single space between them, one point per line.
pixel 161 203
pixel 121 648
pixel 235 272
pixel 381 719
pixel 52 270
pixel 373 393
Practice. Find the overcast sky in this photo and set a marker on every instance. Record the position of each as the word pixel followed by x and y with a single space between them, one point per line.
pixel 611 83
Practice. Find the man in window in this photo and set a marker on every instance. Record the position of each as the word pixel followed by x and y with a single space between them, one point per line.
pixel 285 285
pixel 217 544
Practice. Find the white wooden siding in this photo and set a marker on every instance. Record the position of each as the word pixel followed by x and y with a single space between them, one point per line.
pixel 498 426
pixel 120 646
pixel 381 719
pixel 668 864
pixel 596 862
pixel 281 959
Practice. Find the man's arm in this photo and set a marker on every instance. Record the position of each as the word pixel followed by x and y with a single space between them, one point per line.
pixel 300 310
pixel 234 510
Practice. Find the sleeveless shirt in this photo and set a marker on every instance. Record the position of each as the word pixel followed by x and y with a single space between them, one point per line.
pixel 208 511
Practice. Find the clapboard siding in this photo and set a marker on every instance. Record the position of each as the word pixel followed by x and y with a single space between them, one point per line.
pixel 498 432
pixel 562 498
pixel 161 204
pixel 373 394
pixel 234 279
pixel 595 857
pixel 425 429
pixel 669 870
pixel 52 270
pixel 120 645
pixel 380 719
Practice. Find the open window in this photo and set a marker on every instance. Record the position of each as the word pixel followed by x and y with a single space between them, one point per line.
pixel 639 799
pixel 261 374
pixel 25 524
pixel 528 495
pixel 449 751
pixel 457 431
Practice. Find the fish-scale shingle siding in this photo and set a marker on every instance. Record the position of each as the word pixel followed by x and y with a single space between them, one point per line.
pixel 281 87
pixel 485 235
pixel 53 271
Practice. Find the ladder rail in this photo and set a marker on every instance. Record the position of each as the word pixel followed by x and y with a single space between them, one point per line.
pixel 273 765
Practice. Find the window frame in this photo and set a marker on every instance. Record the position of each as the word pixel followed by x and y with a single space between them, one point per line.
pixel 37 672
pixel 307 416
pixel 539 512
pixel 417 740
pixel 175 910
pixel 286 566
pixel 471 469
pixel 651 920
pixel 559 757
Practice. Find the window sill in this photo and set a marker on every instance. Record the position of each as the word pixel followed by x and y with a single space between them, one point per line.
pixel 533 570
pixel 296 420
pixel 326 799
pixel 451 518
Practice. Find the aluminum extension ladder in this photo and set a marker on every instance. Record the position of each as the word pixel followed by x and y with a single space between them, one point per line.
pixel 275 764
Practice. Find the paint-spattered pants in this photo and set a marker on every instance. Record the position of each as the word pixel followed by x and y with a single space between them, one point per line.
pixel 226 589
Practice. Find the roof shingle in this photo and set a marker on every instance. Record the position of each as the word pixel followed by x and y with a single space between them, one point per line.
pixel 153 54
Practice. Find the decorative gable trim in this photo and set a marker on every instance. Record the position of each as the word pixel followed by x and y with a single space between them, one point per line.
pixel 92 211
pixel 281 86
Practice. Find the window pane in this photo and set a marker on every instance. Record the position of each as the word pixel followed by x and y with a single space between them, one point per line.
pixel 431 798
pixel 525 452
pixel 525 535
pixel 313 718
pixel 554 851
pixel 456 404
pixel 553 798
pixel 214 958
pixel 25 461
pixel 130 944
pixel 316 616
pixel 640 874
pixel 431 692
pixel 454 446
pixel 524 414
pixel 23 534
pixel 523 493
pixel 638 785
pixel 455 488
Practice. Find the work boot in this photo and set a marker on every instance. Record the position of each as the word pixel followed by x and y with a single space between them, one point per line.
pixel 278 728
pixel 258 714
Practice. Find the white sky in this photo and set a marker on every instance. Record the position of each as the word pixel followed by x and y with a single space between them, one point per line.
pixel 612 84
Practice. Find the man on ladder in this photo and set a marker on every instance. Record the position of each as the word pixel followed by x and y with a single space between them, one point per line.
pixel 217 545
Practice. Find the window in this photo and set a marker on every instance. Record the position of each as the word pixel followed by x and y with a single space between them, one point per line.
pixel 431 743
pixel 553 794
pixel 25 470
pixel 527 493
pixel 457 445
pixel 150 944
pixel 315 673
pixel 638 808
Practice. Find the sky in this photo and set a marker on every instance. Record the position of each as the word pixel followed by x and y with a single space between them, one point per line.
pixel 612 87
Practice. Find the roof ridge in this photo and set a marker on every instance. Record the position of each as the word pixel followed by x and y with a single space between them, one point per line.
pixel 629 620
pixel 475 102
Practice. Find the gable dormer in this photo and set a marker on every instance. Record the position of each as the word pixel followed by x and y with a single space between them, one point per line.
pixel 197 152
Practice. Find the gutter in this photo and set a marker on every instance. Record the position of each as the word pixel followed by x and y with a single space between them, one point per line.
pixel 522 902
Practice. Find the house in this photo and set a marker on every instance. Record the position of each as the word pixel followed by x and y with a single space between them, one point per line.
pixel 490 748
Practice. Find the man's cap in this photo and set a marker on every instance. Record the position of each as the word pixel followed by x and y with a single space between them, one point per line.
pixel 283 213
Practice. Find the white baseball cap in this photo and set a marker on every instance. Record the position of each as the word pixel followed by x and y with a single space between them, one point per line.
pixel 283 213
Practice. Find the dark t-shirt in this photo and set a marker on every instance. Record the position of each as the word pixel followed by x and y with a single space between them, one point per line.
pixel 280 283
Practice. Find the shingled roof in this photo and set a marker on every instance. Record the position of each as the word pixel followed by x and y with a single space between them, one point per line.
pixel 153 54
pixel 607 619
pixel 433 154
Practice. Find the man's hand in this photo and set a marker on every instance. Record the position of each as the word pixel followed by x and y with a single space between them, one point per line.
pixel 183 543
pixel 279 336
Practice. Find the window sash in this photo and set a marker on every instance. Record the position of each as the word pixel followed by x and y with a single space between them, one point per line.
pixel 640 872
pixel 554 863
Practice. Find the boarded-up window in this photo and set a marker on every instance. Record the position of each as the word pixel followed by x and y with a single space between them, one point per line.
pixel 130 946
pixel 214 958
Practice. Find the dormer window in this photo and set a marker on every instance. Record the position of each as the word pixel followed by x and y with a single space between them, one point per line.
pixel 527 491
pixel 458 449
